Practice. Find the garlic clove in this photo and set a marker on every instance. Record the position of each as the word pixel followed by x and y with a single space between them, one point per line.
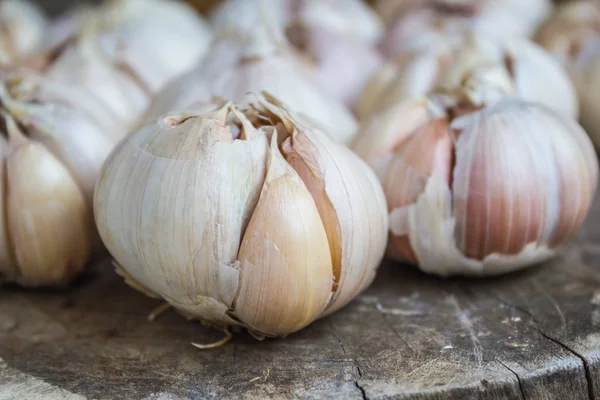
pixel 80 143
pixel 8 265
pixel 498 208
pixel 352 208
pixel 49 221
pixel 187 159
pixel 287 257
pixel 386 130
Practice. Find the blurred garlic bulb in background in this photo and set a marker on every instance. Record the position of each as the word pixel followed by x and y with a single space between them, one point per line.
pixel 572 35
pixel 290 226
pixel 479 182
pixel 498 18
pixel 23 28
pixel 83 65
pixel 436 60
pixel 257 60
pixel 334 38
pixel 151 40
pixel 54 139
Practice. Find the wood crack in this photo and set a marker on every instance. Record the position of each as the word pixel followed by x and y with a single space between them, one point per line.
pixel 356 364
pixel 535 325
pixel 586 367
pixel 517 376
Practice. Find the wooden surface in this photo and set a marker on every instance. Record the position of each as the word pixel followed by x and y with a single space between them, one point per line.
pixel 531 335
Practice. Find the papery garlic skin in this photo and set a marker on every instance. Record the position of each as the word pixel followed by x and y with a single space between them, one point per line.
pixel 435 61
pixel 242 240
pixel 51 158
pixel 258 61
pixel 24 26
pixel 485 193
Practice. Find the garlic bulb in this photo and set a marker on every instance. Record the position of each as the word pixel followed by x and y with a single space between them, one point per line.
pixel 335 39
pixel 428 62
pixel 248 217
pixel 497 18
pixel 82 64
pixel 54 140
pixel 479 182
pixel 23 26
pixel 572 35
pixel 152 41
pixel 259 60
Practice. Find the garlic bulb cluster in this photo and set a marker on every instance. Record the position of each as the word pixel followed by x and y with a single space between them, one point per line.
pixel 479 182
pixel 23 27
pixel 259 60
pixel 435 61
pixel 498 18
pixel 151 41
pixel 54 139
pixel 335 39
pixel 572 35
pixel 246 217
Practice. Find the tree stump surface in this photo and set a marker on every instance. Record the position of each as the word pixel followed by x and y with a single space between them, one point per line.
pixel 528 335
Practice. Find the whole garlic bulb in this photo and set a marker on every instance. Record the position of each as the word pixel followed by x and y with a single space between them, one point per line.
pixel 52 152
pixel 246 217
pixel 259 60
pixel 23 27
pixel 479 182
pixel 432 61
pixel 497 18
pixel 572 35
pixel 335 38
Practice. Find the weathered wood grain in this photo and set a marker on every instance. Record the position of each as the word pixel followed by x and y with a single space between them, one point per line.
pixel 528 335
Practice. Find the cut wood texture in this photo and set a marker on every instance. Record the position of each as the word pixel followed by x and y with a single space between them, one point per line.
pixel 528 335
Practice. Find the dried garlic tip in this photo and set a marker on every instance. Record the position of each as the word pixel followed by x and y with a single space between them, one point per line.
pixel 479 189
pixel 435 61
pixel 572 35
pixel 293 229
pixel 256 61
pixel 23 28
pixel 498 18
pixel 53 144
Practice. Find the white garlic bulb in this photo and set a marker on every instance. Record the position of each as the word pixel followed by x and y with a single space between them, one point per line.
pixel 245 217
pixel 259 60
pixel 479 182
pixel 54 140
pixel 335 39
pixel 429 62
pixel 83 65
pixel 497 18
pixel 153 41
pixel 23 27
pixel 572 35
